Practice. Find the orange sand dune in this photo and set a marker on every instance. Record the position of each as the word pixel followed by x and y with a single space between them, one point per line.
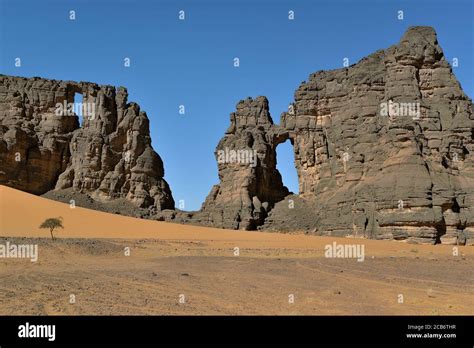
pixel 21 214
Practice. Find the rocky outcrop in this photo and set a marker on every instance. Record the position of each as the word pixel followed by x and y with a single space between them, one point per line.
pixel 383 149
pixel 250 184
pixel 43 147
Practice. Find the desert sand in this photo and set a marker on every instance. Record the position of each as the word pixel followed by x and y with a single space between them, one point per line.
pixel 110 264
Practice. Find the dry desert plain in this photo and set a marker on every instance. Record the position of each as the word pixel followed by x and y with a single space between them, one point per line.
pixel 169 263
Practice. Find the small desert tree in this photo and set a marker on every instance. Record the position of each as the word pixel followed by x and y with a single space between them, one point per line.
pixel 52 223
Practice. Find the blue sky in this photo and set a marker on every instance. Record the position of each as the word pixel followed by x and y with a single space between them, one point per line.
pixel 190 62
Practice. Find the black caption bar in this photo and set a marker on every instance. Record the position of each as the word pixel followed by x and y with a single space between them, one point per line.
pixel 290 330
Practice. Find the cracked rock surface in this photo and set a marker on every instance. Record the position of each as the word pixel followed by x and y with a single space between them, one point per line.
pixel 383 150
pixel 108 157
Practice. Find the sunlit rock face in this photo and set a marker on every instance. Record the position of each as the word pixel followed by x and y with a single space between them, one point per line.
pixel 43 146
pixel 383 149
pixel 250 184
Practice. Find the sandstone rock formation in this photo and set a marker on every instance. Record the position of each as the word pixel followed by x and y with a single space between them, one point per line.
pixel 108 157
pixel 383 149
pixel 250 184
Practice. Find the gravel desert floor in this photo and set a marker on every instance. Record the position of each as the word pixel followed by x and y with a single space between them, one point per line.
pixel 105 264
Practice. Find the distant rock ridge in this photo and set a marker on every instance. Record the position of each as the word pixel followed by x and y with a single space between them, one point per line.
pixel 383 149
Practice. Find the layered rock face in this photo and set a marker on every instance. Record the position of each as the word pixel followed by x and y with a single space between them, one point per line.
pixel 383 149
pixel 43 146
pixel 375 168
pixel 249 184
